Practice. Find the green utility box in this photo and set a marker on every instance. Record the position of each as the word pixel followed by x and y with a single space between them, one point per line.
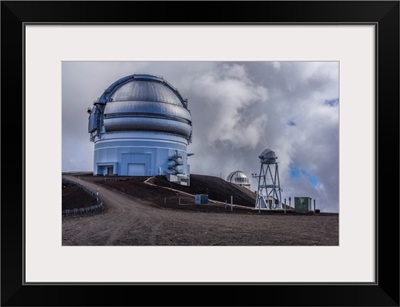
pixel 302 204
pixel 201 199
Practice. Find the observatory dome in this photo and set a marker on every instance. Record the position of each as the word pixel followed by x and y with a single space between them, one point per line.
pixel 137 124
pixel 239 178
pixel 147 88
pixel 268 156
pixel 147 103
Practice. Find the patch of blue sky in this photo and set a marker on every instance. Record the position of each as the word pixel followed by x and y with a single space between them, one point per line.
pixel 313 180
pixel 295 173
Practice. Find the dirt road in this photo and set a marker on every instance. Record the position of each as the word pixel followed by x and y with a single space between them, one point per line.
pixel 131 221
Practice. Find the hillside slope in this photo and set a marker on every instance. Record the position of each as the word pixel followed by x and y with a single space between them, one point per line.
pixel 216 188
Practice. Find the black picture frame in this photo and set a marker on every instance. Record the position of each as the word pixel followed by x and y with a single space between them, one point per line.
pixel 383 14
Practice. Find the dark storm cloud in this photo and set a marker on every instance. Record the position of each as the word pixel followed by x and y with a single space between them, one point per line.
pixel 238 110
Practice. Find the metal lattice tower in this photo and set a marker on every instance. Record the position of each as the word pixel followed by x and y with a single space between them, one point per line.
pixel 269 189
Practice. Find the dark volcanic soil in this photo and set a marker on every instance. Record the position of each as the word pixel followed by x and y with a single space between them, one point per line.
pixel 137 213
pixel 75 197
pixel 218 190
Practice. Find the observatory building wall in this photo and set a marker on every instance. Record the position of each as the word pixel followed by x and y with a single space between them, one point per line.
pixel 138 154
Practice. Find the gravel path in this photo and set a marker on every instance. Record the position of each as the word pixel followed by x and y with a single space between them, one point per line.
pixel 131 221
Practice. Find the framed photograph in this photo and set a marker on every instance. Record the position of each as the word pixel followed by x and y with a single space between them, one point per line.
pixel 97 93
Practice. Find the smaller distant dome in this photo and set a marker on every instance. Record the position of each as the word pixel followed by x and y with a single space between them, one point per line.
pixel 238 177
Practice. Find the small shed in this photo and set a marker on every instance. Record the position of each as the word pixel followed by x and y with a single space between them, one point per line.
pixel 302 204
pixel 201 199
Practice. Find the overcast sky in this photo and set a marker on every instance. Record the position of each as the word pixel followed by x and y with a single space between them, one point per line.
pixel 238 109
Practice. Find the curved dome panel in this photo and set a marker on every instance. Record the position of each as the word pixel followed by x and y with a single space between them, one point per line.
pixel 147 124
pixel 141 102
pixel 145 90
pixel 146 108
